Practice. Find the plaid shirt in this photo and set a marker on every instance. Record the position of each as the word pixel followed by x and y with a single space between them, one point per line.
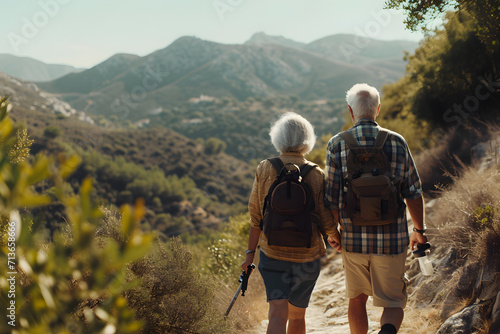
pixel 384 239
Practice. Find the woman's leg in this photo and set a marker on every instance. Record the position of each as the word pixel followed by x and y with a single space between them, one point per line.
pixel 278 316
pixel 296 320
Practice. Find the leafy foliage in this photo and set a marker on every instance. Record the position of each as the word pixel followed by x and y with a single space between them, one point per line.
pixel 172 296
pixel 214 146
pixel 451 82
pixel 21 148
pixel 485 12
pixel 72 284
pixel 226 250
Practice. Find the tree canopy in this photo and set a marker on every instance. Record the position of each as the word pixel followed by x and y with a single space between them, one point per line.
pixel 485 12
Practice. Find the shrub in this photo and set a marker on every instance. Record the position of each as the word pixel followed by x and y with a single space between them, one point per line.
pixel 214 146
pixel 74 283
pixel 172 296
pixel 52 131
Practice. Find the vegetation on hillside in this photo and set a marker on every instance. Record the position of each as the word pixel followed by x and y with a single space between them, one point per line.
pixel 184 187
pixel 486 12
pixel 100 273
pixel 244 126
pixel 464 229
pixel 447 99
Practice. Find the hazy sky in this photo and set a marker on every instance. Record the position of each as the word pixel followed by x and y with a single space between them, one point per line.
pixel 85 32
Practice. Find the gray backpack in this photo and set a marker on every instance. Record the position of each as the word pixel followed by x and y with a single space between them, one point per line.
pixel 373 195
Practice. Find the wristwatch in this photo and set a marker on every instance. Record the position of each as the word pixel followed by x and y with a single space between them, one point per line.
pixel 249 251
pixel 419 231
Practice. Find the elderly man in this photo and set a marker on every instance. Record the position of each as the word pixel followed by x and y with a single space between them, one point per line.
pixel 374 252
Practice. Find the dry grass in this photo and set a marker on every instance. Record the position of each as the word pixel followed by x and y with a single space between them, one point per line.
pixel 464 229
pixel 248 310
pixel 420 320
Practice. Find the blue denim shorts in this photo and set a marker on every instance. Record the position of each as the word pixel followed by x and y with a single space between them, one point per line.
pixel 289 280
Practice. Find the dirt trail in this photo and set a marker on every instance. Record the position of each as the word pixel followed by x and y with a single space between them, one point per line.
pixel 327 311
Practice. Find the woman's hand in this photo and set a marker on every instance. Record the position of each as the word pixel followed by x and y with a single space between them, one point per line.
pixel 248 261
pixel 335 242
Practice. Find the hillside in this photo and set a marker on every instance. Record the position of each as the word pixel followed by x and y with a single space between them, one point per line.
pixel 172 173
pixel 185 185
pixel 132 87
pixel 33 70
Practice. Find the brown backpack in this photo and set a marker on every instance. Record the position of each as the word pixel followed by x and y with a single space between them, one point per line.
pixel 288 207
pixel 373 195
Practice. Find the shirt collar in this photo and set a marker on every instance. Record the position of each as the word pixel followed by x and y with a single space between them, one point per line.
pixel 291 154
pixel 366 121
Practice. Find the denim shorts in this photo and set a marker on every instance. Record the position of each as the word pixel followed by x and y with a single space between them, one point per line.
pixel 289 280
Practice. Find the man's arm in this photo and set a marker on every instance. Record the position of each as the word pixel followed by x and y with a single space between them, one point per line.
pixel 417 212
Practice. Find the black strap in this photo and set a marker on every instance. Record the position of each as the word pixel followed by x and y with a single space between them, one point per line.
pixel 277 164
pixel 306 168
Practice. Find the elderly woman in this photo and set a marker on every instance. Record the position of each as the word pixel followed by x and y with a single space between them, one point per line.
pixel 289 273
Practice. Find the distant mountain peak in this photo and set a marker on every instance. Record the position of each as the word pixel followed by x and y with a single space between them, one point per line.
pixel 118 58
pixel 263 38
pixel 30 69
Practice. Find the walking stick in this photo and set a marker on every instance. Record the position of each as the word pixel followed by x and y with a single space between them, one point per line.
pixel 243 286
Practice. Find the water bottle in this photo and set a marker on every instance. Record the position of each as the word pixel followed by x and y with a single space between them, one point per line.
pixel 423 260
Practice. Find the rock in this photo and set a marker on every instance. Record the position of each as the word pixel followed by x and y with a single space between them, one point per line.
pixel 495 317
pixel 469 320
pixel 463 321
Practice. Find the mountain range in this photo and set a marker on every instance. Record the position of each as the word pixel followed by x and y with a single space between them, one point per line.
pixel 30 69
pixel 132 87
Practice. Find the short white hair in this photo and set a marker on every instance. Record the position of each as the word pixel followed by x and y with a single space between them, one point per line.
pixel 363 100
pixel 292 133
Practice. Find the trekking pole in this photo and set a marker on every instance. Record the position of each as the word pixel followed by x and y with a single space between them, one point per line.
pixel 243 286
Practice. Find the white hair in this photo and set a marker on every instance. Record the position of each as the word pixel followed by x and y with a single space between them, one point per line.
pixel 292 133
pixel 363 100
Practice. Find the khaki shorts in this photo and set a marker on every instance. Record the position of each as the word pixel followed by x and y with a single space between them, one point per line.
pixel 379 276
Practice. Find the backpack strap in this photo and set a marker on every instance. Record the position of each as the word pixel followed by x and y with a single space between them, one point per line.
pixel 277 164
pixel 381 138
pixel 352 142
pixel 306 168
pixel 349 139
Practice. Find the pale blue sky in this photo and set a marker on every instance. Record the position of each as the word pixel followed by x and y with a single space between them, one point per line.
pixel 85 32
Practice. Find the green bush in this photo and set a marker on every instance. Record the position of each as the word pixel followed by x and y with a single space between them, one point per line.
pixel 172 296
pixel 52 131
pixel 74 283
pixel 214 146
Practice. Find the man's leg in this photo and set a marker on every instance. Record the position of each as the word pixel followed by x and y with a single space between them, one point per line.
pixel 393 316
pixel 358 319
pixel 278 316
pixel 296 320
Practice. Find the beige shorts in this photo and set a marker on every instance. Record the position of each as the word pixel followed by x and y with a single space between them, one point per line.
pixel 379 276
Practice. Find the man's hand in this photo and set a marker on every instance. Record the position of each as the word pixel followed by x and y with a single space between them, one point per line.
pixel 417 238
pixel 334 241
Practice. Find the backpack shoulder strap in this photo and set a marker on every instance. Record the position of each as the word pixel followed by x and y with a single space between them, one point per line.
pixel 277 164
pixel 349 139
pixel 381 138
pixel 306 168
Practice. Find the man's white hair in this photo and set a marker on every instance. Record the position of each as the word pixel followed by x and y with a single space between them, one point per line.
pixel 363 100
pixel 292 133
